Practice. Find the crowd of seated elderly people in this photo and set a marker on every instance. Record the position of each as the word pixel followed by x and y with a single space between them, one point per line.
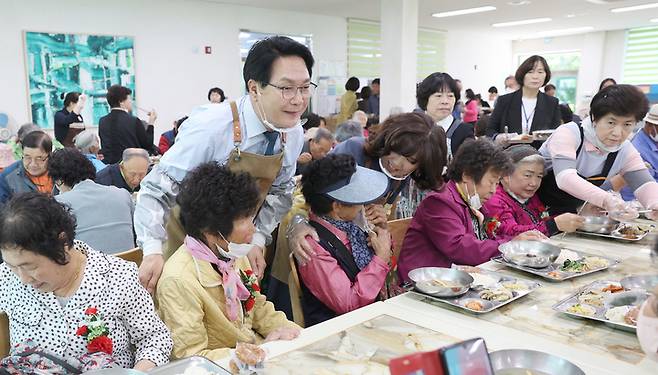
pixel 241 170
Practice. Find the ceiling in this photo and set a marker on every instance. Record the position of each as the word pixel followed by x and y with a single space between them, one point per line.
pixel 565 14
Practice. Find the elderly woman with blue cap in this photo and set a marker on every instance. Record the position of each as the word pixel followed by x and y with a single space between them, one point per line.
pixel 352 259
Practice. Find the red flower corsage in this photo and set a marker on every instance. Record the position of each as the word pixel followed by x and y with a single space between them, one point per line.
pixel 491 225
pixel 95 331
pixel 251 283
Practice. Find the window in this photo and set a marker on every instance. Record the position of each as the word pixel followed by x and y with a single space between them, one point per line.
pixel 364 50
pixel 641 56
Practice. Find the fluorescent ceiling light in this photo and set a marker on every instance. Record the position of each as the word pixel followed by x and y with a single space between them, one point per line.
pixel 573 30
pixel 635 7
pixel 521 22
pixel 463 11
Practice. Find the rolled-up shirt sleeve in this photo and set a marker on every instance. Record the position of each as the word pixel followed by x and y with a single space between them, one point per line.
pixel 195 145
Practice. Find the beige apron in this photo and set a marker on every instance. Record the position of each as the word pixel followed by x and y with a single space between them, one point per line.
pixel 264 168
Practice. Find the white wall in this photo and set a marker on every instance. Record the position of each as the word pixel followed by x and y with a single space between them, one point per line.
pixel 479 61
pixel 602 56
pixel 172 73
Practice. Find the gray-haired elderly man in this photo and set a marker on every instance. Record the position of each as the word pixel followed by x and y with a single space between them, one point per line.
pixel 128 173
pixel 314 149
pixel 88 143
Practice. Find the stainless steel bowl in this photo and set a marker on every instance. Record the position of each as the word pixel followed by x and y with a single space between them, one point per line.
pixel 516 361
pixel 459 281
pixel 644 282
pixel 534 254
pixel 599 224
pixel 115 371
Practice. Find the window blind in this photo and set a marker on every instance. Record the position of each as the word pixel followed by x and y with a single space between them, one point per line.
pixel 641 56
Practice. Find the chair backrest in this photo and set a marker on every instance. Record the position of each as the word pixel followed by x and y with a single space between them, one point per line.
pixel 295 289
pixel 4 335
pixel 133 255
pixel 398 229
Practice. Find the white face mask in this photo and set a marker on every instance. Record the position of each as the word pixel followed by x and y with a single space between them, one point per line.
pixel 235 250
pixel 473 200
pixel 647 333
pixel 509 191
pixel 381 166
pixel 269 125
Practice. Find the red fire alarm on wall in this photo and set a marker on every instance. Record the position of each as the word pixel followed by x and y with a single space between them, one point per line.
pixel 208 50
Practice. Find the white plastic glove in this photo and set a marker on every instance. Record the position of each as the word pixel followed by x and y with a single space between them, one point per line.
pixel 619 210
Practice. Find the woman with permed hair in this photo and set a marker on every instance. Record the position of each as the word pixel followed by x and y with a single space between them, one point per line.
pixel 581 161
pixel 448 226
pixel 409 147
pixel 208 295
pixel 351 263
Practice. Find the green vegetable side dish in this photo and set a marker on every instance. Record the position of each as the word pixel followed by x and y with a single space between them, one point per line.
pixel 574 266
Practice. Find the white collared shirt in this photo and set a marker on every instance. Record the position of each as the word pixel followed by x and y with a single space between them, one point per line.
pixel 208 135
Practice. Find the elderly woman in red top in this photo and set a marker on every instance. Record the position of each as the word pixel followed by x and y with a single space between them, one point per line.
pixel 516 206
pixel 448 226
pixel 352 257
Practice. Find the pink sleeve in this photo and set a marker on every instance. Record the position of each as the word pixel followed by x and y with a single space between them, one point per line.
pixel 647 194
pixel 563 144
pixel 329 283
pixel 570 182
pixel 633 161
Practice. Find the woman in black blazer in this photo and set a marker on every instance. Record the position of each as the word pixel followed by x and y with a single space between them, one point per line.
pixel 526 109
pixel 437 95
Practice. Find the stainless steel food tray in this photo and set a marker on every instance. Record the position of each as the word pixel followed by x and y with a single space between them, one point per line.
pixel 179 367
pixel 616 236
pixel 553 271
pixel 474 292
pixel 563 305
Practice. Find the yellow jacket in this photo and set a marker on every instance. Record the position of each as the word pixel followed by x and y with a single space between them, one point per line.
pixel 348 105
pixel 191 302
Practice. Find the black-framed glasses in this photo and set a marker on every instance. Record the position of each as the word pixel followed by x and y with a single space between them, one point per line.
pixel 289 92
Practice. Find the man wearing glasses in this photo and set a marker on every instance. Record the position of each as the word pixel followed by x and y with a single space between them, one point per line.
pixel 259 133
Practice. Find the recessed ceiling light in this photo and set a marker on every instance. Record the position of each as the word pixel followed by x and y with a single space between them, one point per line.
pixel 461 12
pixel 635 7
pixel 571 15
pixel 521 22
pixel 572 30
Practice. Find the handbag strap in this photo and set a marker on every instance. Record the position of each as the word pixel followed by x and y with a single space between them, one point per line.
pixel 56 360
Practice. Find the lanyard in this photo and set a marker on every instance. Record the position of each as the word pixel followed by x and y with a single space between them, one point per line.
pixel 526 126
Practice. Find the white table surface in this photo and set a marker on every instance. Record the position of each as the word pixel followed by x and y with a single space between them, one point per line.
pixel 527 323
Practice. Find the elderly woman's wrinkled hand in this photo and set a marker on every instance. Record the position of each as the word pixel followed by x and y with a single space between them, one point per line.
pixel 569 222
pixel 376 215
pixel 284 333
pixel 531 235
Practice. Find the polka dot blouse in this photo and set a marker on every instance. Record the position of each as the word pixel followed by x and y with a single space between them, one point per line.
pixel 111 285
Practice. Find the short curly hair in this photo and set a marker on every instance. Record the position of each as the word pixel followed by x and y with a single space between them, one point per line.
pixel 322 173
pixel 476 157
pixel 69 166
pixel 35 222
pixel 413 135
pixel 212 198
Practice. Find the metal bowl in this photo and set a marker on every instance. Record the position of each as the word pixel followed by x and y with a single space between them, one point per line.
pixel 423 277
pixel 518 361
pixel 534 254
pixel 644 282
pixel 599 224
pixel 115 371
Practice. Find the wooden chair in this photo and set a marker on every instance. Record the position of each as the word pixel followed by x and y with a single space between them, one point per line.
pixel 295 289
pixel 4 335
pixel 398 229
pixel 132 255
